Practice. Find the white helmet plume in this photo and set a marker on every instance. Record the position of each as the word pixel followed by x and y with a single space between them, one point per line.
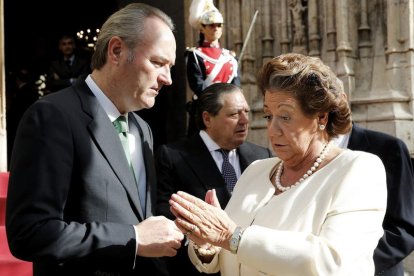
pixel 203 12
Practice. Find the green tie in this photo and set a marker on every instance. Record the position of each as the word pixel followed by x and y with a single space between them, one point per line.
pixel 121 127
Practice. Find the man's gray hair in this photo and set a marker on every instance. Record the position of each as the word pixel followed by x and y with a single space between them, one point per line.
pixel 128 24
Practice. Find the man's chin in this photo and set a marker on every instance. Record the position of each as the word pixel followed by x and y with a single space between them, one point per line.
pixel 241 135
pixel 148 103
pixel 239 140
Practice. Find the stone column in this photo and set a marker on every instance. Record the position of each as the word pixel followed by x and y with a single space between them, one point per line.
pixel 314 36
pixel 257 123
pixel 267 40
pixel 409 13
pixel 330 33
pixel 248 60
pixel 345 64
pixel 384 96
pixel 284 39
pixel 233 27
pixel 398 114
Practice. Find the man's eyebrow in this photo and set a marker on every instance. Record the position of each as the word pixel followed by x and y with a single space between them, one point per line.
pixel 164 60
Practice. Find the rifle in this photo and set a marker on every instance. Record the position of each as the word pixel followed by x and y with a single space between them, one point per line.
pixel 249 32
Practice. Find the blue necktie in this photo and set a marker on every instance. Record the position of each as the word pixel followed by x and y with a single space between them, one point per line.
pixel 227 170
pixel 121 127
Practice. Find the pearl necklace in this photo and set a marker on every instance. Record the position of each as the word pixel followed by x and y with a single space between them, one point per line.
pixel 312 169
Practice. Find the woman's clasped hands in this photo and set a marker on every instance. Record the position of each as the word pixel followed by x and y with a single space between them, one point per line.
pixel 203 222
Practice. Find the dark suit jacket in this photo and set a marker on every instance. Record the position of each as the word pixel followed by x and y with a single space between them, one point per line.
pixel 188 166
pixel 398 239
pixel 24 97
pixel 79 69
pixel 72 199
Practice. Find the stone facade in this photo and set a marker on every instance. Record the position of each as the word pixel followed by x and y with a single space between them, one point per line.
pixel 369 44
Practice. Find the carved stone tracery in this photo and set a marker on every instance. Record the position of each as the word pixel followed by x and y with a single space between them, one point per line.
pixel 369 44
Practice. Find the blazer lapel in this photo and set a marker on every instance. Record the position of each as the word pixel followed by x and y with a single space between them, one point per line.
pixel 107 141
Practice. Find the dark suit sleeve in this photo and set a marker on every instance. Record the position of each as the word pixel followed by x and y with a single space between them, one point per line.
pixel 236 80
pixel 39 220
pixel 165 183
pixel 195 73
pixel 79 70
pixel 270 153
pixel 398 239
pixel 56 68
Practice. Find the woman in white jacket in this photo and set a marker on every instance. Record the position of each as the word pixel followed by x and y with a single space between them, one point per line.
pixel 315 209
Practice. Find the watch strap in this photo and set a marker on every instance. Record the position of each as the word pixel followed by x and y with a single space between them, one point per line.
pixel 235 239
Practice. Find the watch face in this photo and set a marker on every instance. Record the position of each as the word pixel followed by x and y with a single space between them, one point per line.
pixel 233 246
pixel 235 239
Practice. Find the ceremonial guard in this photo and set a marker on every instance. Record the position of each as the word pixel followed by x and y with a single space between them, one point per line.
pixel 208 63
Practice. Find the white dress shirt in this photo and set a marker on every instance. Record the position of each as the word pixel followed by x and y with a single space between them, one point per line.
pixel 218 157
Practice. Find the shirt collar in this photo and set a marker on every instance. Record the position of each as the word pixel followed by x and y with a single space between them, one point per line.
pixel 342 140
pixel 104 101
pixel 210 144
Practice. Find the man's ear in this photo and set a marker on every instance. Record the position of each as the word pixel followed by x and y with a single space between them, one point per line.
pixel 115 49
pixel 206 118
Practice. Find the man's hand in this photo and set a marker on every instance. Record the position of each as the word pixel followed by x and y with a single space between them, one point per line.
pixel 158 237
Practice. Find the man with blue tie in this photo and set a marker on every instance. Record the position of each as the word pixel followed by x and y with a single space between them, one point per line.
pixel 213 158
pixel 81 195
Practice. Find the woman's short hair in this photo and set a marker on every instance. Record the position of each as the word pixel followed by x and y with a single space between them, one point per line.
pixel 128 24
pixel 313 84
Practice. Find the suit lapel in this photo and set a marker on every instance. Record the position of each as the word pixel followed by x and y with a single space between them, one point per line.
pixel 107 141
pixel 246 156
pixel 199 159
pixel 147 154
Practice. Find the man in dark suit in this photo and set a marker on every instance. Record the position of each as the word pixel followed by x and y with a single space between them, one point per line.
pixel 398 240
pixel 194 165
pixel 79 201
pixel 68 68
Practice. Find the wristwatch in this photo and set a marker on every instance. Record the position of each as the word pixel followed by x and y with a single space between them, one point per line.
pixel 235 239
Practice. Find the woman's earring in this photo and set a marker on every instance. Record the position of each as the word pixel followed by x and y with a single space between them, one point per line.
pixel 321 127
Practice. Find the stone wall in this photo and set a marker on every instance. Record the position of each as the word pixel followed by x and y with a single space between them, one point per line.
pixel 369 44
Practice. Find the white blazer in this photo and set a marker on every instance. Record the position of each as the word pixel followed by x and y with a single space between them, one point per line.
pixel 328 225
